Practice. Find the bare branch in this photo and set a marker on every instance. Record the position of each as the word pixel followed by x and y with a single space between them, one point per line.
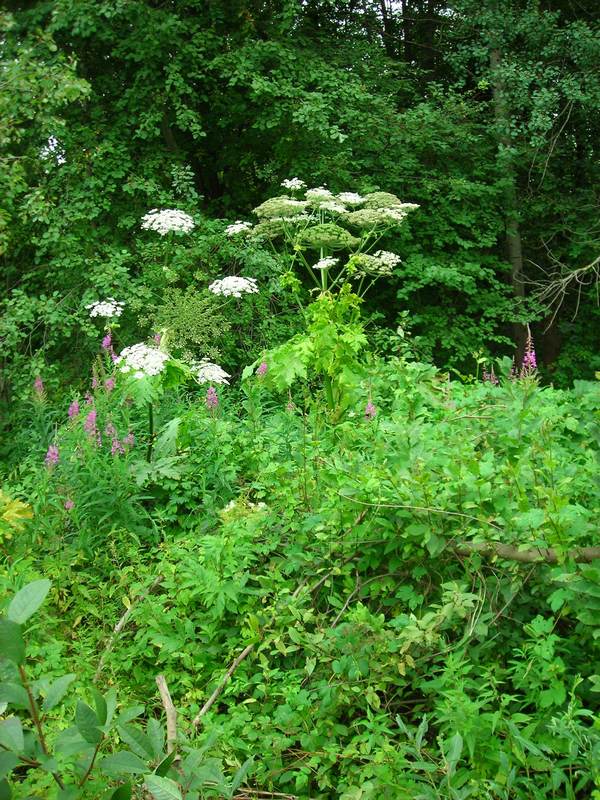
pixel 170 711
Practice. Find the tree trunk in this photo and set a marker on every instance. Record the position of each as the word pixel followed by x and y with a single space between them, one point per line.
pixel 511 206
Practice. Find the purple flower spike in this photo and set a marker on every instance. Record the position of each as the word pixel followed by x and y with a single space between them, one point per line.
pixel 129 440
pixel 370 410
pixel 529 364
pixel 38 386
pixel 109 384
pixel 69 505
pixel 51 456
pixel 107 342
pixel 262 369
pixel 73 409
pixel 89 425
pixel 212 399
pixel 117 448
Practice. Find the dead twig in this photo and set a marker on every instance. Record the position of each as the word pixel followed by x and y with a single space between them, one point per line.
pixel 246 651
pixel 121 624
pixel 170 711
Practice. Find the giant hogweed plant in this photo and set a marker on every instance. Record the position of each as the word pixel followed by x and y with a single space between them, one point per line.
pixel 106 751
pixel 333 239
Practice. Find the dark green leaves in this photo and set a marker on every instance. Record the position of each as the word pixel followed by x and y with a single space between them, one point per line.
pixel 12 646
pixel 87 723
pixel 57 691
pixel 11 735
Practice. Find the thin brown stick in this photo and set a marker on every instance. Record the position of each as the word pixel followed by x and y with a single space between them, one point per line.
pixel 35 716
pixel 121 624
pixel 246 651
pixel 170 711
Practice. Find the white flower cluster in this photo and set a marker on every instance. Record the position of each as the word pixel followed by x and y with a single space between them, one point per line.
pixel 106 308
pixel 326 263
pixel 387 259
pixel 234 285
pixel 319 195
pixel 295 184
pixel 238 227
pixel 233 505
pixel 142 360
pixel 350 198
pixel 165 220
pixel 207 372
pixel 331 205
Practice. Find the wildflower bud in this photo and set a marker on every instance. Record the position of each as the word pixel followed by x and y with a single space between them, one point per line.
pixel 529 365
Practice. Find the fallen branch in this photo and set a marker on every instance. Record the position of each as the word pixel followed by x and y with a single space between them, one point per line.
pixel 170 711
pixel 248 649
pixel 547 555
pixel 121 624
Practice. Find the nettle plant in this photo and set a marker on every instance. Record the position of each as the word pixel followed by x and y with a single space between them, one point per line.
pixel 334 240
pixel 106 751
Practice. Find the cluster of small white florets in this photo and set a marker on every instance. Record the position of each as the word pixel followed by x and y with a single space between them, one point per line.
pixel 234 505
pixel 331 205
pixel 350 198
pixel 238 227
pixel 326 263
pixel 234 285
pixel 295 184
pixel 106 308
pixel 319 195
pixel 142 360
pixel 207 372
pixel 165 220
pixel 387 259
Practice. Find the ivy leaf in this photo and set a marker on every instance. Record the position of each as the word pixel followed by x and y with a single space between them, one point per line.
pixel 27 601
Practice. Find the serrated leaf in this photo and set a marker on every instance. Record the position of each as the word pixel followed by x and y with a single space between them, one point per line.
pixel 124 762
pixel 56 691
pixel 87 723
pixel 162 788
pixel 12 646
pixel 11 735
pixel 27 601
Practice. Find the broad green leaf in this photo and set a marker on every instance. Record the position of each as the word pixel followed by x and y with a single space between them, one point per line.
pixel 124 762
pixel 137 740
pixel 56 691
pixel 14 694
pixel 12 646
pixel 129 713
pixel 100 703
pixel 162 788
pixel 87 723
pixel 454 751
pixel 27 601
pixel 7 762
pixel 123 792
pixel 240 775
pixel 165 764
pixel 11 734
pixel 156 734
pixel 5 790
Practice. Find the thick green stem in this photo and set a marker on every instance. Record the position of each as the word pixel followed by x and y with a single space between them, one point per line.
pixel 150 432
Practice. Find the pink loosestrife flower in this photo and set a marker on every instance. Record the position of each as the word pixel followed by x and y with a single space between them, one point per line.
pixel 38 386
pixel 89 424
pixel 370 410
pixel 109 384
pixel 129 440
pixel 262 369
pixel 212 399
pixel 52 456
pixel 73 409
pixel 107 342
pixel 529 365
pixel 117 448
pixel 69 505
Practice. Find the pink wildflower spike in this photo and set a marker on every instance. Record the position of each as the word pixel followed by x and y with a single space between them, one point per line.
pixel 110 429
pixel 38 386
pixel 109 384
pixel 69 505
pixel 129 440
pixel 52 456
pixel 262 369
pixel 157 337
pixel 529 365
pixel 370 410
pixel 73 409
pixel 212 399
pixel 117 448
pixel 88 399
pixel 107 342
pixel 89 425
pixel 493 379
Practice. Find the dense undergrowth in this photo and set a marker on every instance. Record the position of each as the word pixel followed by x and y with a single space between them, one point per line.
pixel 337 574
